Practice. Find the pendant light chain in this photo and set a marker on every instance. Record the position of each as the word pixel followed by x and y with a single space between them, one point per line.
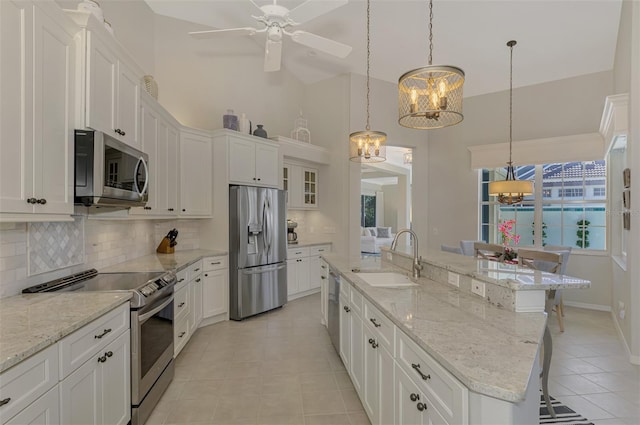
pixel 368 59
pixel 511 44
pixel 430 32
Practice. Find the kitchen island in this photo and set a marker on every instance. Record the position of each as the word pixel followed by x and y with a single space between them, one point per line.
pixel 482 343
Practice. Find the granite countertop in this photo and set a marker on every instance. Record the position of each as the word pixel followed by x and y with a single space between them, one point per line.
pixel 491 350
pixel 163 262
pixel 30 323
pixel 510 276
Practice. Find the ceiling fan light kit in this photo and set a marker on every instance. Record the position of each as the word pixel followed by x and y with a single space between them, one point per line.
pixel 368 146
pixel 510 190
pixel 430 97
pixel 276 20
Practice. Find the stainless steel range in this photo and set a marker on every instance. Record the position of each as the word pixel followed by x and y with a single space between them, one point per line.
pixel 151 328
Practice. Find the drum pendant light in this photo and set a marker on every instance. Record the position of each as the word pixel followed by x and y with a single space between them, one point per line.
pixel 430 97
pixel 368 145
pixel 511 191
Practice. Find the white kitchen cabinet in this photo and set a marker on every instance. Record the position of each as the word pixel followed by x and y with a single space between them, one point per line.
pixel 252 161
pixel 98 392
pixel 303 270
pixel 195 174
pixel 215 286
pixel 159 139
pixel 410 404
pixel 301 184
pixel 351 337
pixel 43 411
pixel 37 80
pixel 378 378
pixel 323 272
pixel 345 331
pixel 110 83
pixel 195 292
pixel 316 267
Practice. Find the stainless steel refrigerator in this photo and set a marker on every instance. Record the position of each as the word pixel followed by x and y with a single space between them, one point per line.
pixel 257 250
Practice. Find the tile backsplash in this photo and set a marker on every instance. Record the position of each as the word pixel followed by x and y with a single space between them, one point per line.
pixel 38 252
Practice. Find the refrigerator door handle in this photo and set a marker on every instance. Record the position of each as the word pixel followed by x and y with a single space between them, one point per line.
pixel 260 270
pixel 266 217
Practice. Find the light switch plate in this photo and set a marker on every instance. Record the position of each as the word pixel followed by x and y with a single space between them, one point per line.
pixel 477 287
pixel 454 279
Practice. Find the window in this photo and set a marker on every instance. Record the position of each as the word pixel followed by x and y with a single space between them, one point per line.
pixel 367 211
pixel 572 209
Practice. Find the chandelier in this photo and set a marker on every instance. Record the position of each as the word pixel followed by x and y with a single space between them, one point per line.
pixel 510 191
pixel 368 145
pixel 430 97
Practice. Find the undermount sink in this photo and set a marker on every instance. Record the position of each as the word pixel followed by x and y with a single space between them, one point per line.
pixel 387 280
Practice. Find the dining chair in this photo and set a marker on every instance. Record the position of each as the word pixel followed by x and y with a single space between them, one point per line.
pixel 454 249
pixel 489 251
pixel 556 295
pixel 467 247
pixel 540 260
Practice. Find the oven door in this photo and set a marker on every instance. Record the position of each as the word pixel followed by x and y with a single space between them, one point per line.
pixel 151 345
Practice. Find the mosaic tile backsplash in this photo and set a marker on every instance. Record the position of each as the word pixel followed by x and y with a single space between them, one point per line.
pixel 54 246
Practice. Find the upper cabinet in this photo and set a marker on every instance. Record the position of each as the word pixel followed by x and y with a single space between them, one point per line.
pixel 195 173
pixel 301 184
pixel 251 160
pixel 37 82
pixel 110 83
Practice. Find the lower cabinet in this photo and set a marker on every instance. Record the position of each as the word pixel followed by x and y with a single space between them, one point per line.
pixel 98 392
pixel 43 411
pixel 378 379
pixel 304 270
pixel 352 342
pixel 411 405
pixel 324 292
pixel 215 289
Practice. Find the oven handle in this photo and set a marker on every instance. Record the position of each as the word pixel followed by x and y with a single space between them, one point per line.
pixel 145 316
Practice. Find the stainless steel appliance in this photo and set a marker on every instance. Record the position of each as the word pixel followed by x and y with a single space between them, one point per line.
pixel 292 236
pixel 151 328
pixel 257 250
pixel 333 310
pixel 109 172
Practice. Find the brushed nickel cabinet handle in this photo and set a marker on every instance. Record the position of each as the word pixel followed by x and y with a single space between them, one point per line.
pixel 106 331
pixel 5 401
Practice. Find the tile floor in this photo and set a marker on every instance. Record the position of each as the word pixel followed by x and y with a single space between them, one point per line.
pixel 590 371
pixel 280 368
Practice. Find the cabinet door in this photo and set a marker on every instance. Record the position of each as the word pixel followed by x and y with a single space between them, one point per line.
pixel 386 387
pixel 315 272
pixel 127 105
pixel 196 302
pixel 80 394
pixel 195 175
pixel 370 385
pixel 304 282
pixel 286 183
pixel 161 176
pixel 357 352
pixel 43 411
pixel 171 159
pixel 266 159
pixel 116 381
pixel 292 276
pixel 324 300
pixel 16 106
pixel 242 161
pixel 101 86
pixel 345 332
pixel 149 144
pixel 407 398
pixel 309 187
pixel 215 289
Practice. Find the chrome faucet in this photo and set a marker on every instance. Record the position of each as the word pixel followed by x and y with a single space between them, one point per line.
pixel 416 260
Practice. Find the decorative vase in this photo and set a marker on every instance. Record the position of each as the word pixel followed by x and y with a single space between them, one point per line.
pixel 260 132
pixel 230 121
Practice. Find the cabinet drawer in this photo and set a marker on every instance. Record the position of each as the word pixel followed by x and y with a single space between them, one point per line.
pixel 25 382
pixel 81 345
pixel 180 334
pixel 194 270
pixel 383 327
pixel 297 252
pixel 356 301
pixel 182 279
pixel 181 303
pixel 215 263
pixel 441 388
pixel 319 250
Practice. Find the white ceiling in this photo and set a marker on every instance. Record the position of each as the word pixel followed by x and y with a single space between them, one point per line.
pixel 556 38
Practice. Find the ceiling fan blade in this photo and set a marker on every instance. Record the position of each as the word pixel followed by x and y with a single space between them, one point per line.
pixel 312 9
pixel 320 43
pixel 272 55
pixel 223 33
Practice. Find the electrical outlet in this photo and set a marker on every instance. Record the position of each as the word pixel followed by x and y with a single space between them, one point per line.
pixel 477 287
pixel 621 314
pixel 620 305
pixel 389 256
pixel 454 279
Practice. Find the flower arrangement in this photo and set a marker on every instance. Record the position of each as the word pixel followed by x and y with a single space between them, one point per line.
pixel 508 236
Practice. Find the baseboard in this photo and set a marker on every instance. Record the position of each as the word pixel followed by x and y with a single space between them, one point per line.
pixel 214 319
pixel 598 307
pixel 303 294
pixel 633 359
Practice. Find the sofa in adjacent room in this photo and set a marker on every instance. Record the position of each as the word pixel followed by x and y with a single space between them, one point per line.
pixel 372 238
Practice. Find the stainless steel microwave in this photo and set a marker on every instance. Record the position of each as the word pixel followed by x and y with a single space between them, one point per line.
pixel 109 172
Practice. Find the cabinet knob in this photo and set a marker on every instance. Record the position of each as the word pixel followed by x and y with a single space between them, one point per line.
pixel 259 179
pixel 347 309
pixel 41 201
pixel 102 359
pixel 184 210
pixel 414 397
pixel 181 304
pixel 5 401
pixel 147 208
pixel 109 353
pixel 206 275
pixel 181 334
pixel 254 178
pixel 198 280
pixel 170 209
pixel 370 340
pixel 421 406
pixel 374 344
pixel 322 277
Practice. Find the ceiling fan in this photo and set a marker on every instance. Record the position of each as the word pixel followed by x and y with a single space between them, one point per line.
pixel 276 20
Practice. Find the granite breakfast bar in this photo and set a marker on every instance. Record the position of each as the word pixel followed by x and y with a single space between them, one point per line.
pixel 490 344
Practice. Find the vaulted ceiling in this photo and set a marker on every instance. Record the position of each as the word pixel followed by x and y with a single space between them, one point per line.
pixel 556 38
